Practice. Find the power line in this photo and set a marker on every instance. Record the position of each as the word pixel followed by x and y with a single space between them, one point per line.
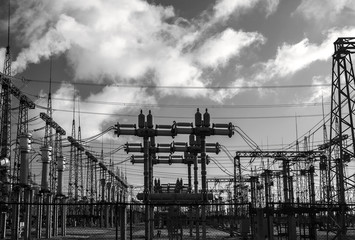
pixel 182 87
pixel 159 105
pixel 182 117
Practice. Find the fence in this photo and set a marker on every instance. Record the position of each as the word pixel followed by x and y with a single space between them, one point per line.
pixel 69 220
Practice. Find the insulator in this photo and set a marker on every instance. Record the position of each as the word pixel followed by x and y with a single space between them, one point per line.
pixel 61 164
pixel 126 125
pixel 134 144
pixel 141 120
pixel 164 145
pixel 208 159
pixel 183 124
pixel 25 147
pixel 221 125
pixel 4 163
pixel 150 120
pixel 46 153
pixel 164 126
pixel 198 118
pixel 206 119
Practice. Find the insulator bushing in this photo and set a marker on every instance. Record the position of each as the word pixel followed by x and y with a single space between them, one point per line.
pixel 4 163
pixel 25 142
pixel 198 118
pixel 61 163
pixel 46 153
pixel 206 119
pixel 25 147
pixel 150 120
pixel 141 120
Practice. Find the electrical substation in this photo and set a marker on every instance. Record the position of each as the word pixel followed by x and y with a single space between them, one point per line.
pixel 310 194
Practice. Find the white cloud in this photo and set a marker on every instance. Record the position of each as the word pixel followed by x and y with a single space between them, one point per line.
pixel 293 58
pixel 219 49
pixel 224 9
pixel 319 93
pixel 94 123
pixel 270 6
pixel 131 41
pixel 177 70
pixel 324 9
pixel 227 93
pixel 53 42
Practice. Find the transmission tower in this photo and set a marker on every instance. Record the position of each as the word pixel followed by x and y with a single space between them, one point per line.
pixel 6 101
pixel 49 135
pixel 341 127
pixel 5 141
pixel 72 160
pixel 323 162
pixel 80 168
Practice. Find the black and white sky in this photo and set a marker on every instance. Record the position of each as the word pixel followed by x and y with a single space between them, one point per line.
pixel 234 57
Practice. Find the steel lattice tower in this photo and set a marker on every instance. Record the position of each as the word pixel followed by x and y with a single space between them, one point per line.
pixel 49 135
pixel 22 127
pixel 6 101
pixel 5 132
pixel 341 129
pixel 72 160
pixel 79 171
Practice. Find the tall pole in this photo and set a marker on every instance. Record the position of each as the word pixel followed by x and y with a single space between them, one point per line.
pixel 235 194
pixel 5 135
pixel 204 185
pixel 341 124
pixel 196 191
pixel 141 125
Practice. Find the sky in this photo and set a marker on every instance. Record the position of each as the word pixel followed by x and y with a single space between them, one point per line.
pixel 263 65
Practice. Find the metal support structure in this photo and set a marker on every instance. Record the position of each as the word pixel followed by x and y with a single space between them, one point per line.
pixel 145 130
pixel 341 123
pixel 5 135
